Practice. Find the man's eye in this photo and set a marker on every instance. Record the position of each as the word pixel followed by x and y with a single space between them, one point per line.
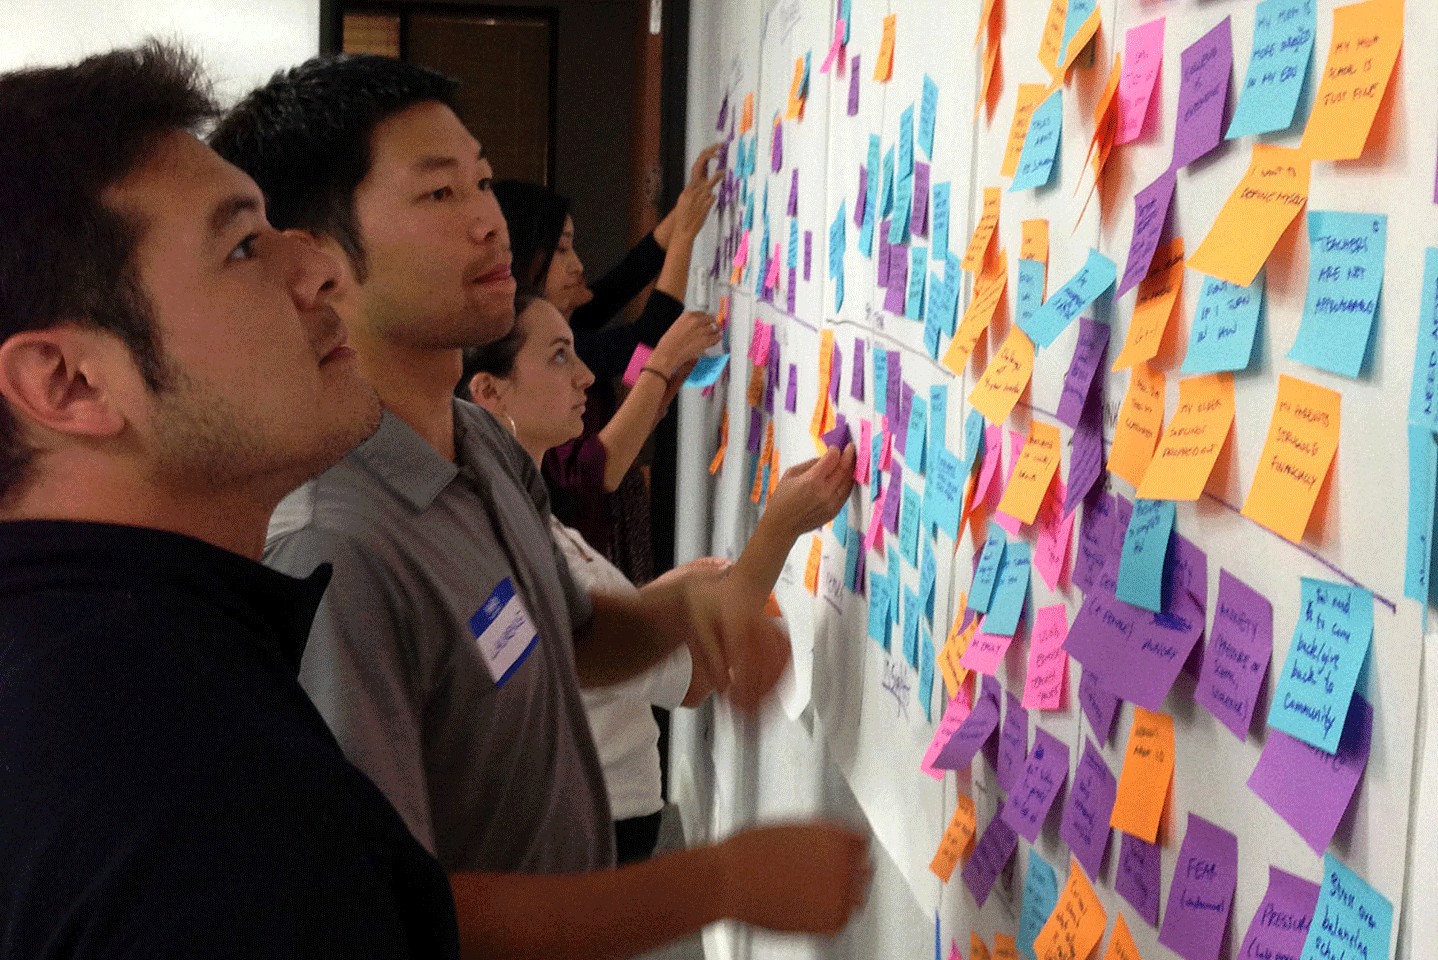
pixel 245 249
pixel 443 193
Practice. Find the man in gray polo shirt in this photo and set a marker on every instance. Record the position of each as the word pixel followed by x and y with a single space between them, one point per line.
pixel 443 656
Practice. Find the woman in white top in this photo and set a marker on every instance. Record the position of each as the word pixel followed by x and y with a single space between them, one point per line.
pixel 534 383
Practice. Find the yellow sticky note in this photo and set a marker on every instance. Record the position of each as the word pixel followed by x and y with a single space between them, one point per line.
pixel 746 122
pixel 1033 473
pixel 1052 37
pixel 1302 439
pixel 718 460
pixel 1077 922
pixel 954 845
pixel 984 231
pixel 1147 773
pixel 988 291
pixel 796 92
pixel 811 568
pixel 884 65
pixel 1005 378
pixel 1254 216
pixel 1080 39
pixel 1005 948
pixel 1157 294
pixel 1030 96
pixel 978 950
pixel 1140 421
pixel 1121 945
pixel 1190 446
pixel 1366 40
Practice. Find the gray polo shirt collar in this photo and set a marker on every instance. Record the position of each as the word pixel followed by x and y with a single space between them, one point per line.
pixel 406 463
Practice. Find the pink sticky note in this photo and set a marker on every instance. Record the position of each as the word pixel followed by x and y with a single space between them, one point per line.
pixel 1051 551
pixel 763 340
pixel 1142 57
pixel 985 652
pixel 1011 525
pixel 953 718
pixel 636 363
pixel 888 453
pixel 1048 664
pixel 834 49
pixel 876 530
pixel 861 462
pixel 741 256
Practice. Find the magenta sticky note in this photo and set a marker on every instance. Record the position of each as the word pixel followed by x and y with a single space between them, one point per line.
pixel 759 346
pixel 1202 94
pixel 964 744
pixel 1045 772
pixel 1137 878
pixel 1013 743
pixel 1307 786
pixel 861 462
pixel 919 217
pixel 856 375
pixel 835 47
pixel 991 855
pixel 1087 358
pixel 1236 656
pixel 1201 893
pixel 1280 925
pixel 791 395
pixel 636 363
pixel 854 87
pixel 1048 664
pixel 954 716
pixel 1051 550
pixel 985 652
pixel 1100 706
pixel 1085 824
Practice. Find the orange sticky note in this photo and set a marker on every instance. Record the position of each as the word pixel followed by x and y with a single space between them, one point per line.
pixel 1030 96
pixel 1366 40
pixel 884 65
pixel 988 290
pixel 984 231
pixel 1080 39
pixel 754 395
pixel 955 843
pixel 1052 37
pixel 718 460
pixel 954 674
pixel 1005 948
pixel 1190 446
pixel 1157 294
pixel 796 92
pixel 1033 473
pixel 1147 773
pixel 1005 378
pixel 811 568
pixel 978 950
pixel 1121 945
pixel 1035 245
pixel 1302 439
pixel 756 493
pixel 983 21
pixel 1261 207
pixel 1077 922
pixel 774 469
pixel 991 62
pixel 746 122
pixel 1140 420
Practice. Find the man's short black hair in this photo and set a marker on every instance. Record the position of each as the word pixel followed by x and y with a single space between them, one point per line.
pixel 305 137
pixel 67 135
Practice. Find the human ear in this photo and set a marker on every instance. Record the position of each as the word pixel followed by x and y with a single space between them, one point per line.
pixel 65 380
pixel 487 390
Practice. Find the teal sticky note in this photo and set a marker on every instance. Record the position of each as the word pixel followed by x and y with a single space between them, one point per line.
pixel 928 112
pixel 933 314
pixel 914 302
pixel 974 428
pixel 986 574
pixel 904 169
pixel 793 260
pixel 1345 278
pixel 871 200
pixel 1422 490
pixel 938 416
pixel 1058 311
pixel 837 242
pixel 926 671
pixel 1011 589
pixel 846 13
pixel 944 491
pixel 1351 920
pixel 876 455
pixel 1041 895
pixel 853 554
pixel 911 627
pixel 1330 643
pixel 886 200
pixel 881 377
pixel 879 608
pixel 928 576
pixel 916 435
pixel 1423 400
pixel 804 81
pixel 839 292
pixel 1029 289
pixel 1145 545
pixel 939 221
pixel 1225 326
pixel 1078 11
pixel 1041 144
pixel 1282 45
pixel 909 516
pixel 903 206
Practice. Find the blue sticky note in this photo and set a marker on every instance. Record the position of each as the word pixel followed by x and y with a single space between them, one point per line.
pixel 1145 545
pixel 879 621
pixel 793 261
pixel 1345 277
pixel 804 82
pixel 886 200
pixel 916 435
pixel 1422 488
pixel 1058 311
pixel 914 302
pixel 911 627
pixel 1330 643
pixel 926 671
pixel 1423 400
pixel 944 491
pixel 853 553
pixel 881 379
pixel 846 13
pixel 1029 295
pixel 839 292
pixel 894 596
pixel 1041 144
pixel 904 169
pixel 836 242
pixel 928 111
pixel 909 516
pixel 973 437
pixel 928 576
pixel 986 574
pixel 1225 324
pixel 938 415
pixel 939 221
pixel 903 206
pixel 876 451
pixel 1078 12
pixel 707 370
pixel 1352 920
pixel 1282 45
pixel 871 201
pixel 1041 895
pixel 933 314
pixel 1011 589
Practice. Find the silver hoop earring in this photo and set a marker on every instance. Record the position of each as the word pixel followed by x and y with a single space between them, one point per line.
pixel 513 430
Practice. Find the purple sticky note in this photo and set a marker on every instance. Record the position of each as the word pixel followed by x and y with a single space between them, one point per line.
pixel 771 381
pixel 838 438
pixel 1137 880
pixel 1202 94
pixel 791 396
pixel 1086 463
pixel 854 86
pixel 891 389
pixel 1013 743
pixel 898 278
pixel 1280 926
pixel 1236 656
pixel 1150 214
pixel 856 376
pixel 1201 893
pixel 808 251
pixel 919 218
pixel 1309 787
pixel 883 262
pixel 991 854
pixel 776 148
pixel 1045 772
pixel 756 429
pixel 723 113
pixel 1088 357
pixel 892 492
pixel 836 366
pixel 794 194
pixel 989 686
pixel 793 290
pixel 1096 540
pixel 1085 824
pixel 906 406
pixel 977 728
pixel 1100 706
pixel 863 195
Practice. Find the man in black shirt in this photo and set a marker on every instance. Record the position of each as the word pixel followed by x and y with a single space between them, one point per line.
pixel 170 367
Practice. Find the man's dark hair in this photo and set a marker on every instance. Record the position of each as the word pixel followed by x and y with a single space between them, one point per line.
pixel 535 216
pixel 67 135
pixel 305 137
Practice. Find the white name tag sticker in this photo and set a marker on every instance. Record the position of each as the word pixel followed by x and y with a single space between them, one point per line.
pixel 503 631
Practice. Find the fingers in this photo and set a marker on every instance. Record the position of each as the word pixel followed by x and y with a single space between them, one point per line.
pixel 698 172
